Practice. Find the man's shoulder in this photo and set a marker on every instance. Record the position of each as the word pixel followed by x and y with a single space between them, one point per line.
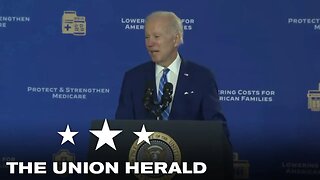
pixel 195 67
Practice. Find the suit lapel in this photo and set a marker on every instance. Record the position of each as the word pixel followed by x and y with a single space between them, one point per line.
pixel 182 83
pixel 149 76
pixel 149 72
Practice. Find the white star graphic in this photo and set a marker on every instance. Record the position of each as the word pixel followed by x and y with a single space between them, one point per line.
pixel 143 135
pixel 67 135
pixel 105 135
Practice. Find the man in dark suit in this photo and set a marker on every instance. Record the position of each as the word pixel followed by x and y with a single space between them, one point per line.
pixel 194 90
pixel 194 96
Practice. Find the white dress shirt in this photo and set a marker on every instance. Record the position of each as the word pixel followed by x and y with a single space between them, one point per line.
pixel 172 75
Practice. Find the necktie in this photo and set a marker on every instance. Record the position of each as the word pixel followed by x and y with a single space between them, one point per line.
pixel 163 81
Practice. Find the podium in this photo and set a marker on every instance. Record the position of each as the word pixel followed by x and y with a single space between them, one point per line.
pixel 182 140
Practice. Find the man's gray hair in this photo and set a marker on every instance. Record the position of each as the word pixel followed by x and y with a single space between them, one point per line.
pixel 176 22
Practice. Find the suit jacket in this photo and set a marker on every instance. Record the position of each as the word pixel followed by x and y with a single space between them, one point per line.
pixel 196 96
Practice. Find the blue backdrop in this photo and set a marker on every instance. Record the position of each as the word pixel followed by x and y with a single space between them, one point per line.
pixel 263 54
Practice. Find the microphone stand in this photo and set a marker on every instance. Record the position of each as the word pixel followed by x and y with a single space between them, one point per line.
pixel 158 111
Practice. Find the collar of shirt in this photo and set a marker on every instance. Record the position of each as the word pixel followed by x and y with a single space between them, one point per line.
pixel 174 68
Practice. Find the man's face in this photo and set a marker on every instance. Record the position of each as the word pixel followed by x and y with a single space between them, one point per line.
pixel 161 41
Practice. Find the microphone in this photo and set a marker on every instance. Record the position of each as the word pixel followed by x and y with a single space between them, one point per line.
pixel 148 96
pixel 167 96
pixel 156 108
